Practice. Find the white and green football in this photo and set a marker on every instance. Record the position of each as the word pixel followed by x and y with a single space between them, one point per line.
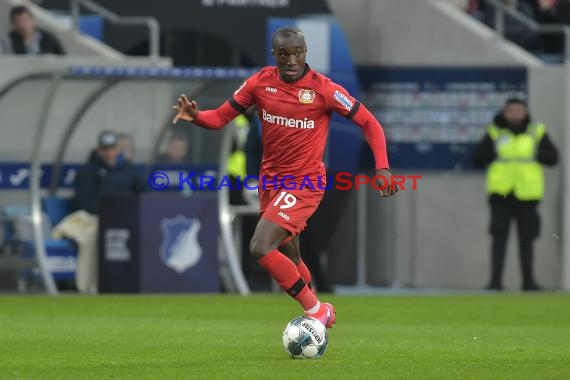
pixel 305 338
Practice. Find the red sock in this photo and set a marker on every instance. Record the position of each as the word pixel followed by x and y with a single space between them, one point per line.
pixel 287 276
pixel 305 273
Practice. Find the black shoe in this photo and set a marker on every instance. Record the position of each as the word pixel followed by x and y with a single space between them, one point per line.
pixel 494 286
pixel 531 287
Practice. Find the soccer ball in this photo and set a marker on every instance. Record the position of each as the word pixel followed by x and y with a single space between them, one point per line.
pixel 305 337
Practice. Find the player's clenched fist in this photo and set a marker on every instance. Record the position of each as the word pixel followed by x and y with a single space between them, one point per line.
pixel 390 188
pixel 186 110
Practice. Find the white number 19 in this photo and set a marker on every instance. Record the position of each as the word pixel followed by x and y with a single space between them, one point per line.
pixel 288 199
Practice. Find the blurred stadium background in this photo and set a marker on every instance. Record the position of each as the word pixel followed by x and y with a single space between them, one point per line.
pixel 434 72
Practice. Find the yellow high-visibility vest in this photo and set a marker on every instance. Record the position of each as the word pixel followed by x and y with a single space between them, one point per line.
pixel 515 170
pixel 236 160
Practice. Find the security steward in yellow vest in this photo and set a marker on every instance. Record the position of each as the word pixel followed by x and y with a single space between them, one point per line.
pixel 514 151
pixel 236 164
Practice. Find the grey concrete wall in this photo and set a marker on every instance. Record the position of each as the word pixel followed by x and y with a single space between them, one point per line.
pixel 565 189
pixel 421 32
pixel 549 101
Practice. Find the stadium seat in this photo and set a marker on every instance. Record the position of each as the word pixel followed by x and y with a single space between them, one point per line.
pixel 57 208
pixel 18 238
pixel 62 254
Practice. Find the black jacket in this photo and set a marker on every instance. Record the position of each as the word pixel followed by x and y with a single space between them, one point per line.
pixel 95 180
pixel 558 15
pixel 553 43
pixel 48 43
pixel 484 154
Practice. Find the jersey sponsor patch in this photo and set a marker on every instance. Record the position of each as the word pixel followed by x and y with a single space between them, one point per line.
pixel 343 99
pixel 304 123
pixel 240 87
pixel 306 96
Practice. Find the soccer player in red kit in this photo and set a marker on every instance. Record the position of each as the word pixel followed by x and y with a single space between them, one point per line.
pixel 295 104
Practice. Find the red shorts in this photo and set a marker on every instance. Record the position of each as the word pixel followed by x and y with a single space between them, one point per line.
pixel 289 209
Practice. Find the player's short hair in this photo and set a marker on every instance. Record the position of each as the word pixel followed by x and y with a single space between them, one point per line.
pixel 17 11
pixel 287 32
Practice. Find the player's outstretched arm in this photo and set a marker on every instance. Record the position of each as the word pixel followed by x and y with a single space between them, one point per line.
pixel 339 100
pixel 376 139
pixel 210 119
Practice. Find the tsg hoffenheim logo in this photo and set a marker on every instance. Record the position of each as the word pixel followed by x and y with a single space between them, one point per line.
pixel 180 249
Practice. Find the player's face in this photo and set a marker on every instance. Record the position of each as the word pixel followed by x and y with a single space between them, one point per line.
pixel 290 55
pixel 515 113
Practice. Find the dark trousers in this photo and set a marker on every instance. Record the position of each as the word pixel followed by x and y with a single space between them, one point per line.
pixel 321 228
pixel 503 210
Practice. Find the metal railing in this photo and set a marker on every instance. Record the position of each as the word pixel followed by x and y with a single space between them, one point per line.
pixel 501 10
pixel 150 22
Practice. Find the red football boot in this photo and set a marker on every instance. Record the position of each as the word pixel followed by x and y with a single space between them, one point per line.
pixel 325 314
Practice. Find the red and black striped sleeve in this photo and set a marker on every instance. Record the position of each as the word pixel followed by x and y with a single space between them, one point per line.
pixel 242 99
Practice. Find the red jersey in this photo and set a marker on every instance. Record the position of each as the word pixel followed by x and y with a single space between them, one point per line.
pixel 295 120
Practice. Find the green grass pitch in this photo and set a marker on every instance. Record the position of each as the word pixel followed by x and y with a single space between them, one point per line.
pixel 506 336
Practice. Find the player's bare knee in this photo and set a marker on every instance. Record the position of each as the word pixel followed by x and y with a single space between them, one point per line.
pixel 258 248
pixel 267 237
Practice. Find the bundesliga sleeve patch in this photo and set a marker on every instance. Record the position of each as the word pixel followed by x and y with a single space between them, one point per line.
pixel 343 100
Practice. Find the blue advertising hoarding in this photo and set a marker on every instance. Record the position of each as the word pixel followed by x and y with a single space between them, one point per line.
pixel 16 175
pixel 159 242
